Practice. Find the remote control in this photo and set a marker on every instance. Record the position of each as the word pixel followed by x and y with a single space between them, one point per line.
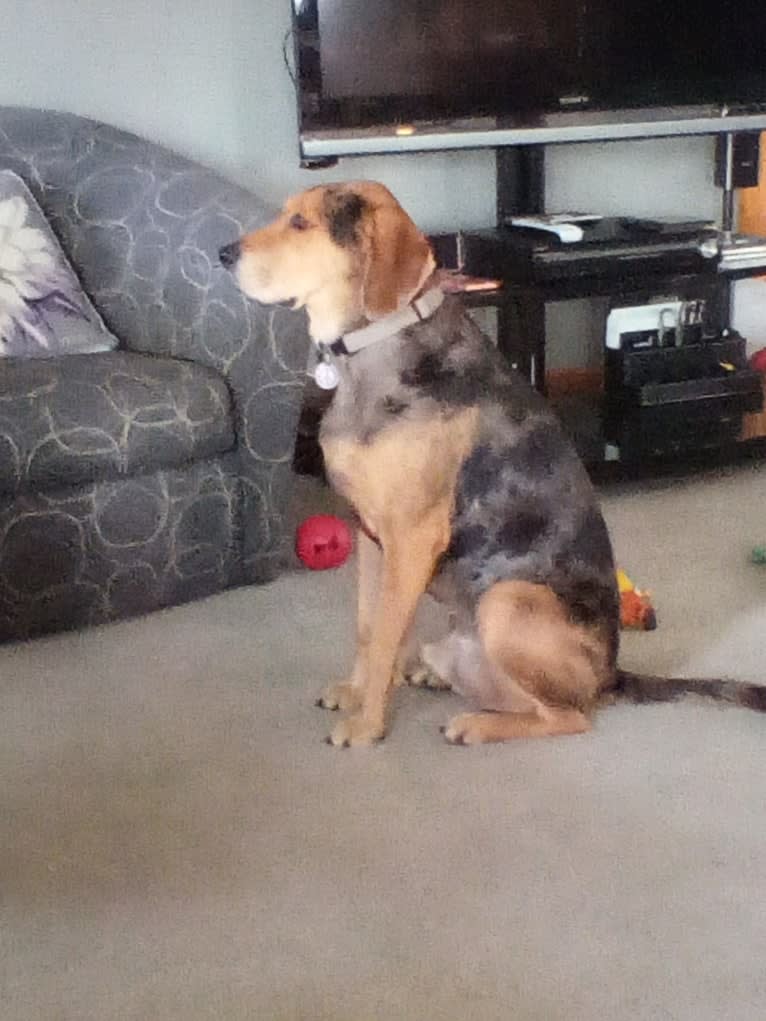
pixel 566 232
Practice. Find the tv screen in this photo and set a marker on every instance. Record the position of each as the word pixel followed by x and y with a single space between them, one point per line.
pixel 525 63
pixel 651 52
pixel 446 55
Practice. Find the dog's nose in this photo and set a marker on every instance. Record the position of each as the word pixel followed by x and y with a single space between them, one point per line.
pixel 229 254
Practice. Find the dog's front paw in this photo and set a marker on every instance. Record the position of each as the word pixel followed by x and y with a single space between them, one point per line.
pixel 356 731
pixel 344 695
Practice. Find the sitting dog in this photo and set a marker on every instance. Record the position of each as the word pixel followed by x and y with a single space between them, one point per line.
pixel 461 476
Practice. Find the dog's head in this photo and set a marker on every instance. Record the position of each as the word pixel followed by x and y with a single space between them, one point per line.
pixel 347 252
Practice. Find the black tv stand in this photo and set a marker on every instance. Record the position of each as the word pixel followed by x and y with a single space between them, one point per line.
pixel 520 175
pixel 628 261
pixel 617 259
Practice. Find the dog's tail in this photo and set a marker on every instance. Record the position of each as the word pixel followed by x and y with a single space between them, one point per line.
pixel 644 688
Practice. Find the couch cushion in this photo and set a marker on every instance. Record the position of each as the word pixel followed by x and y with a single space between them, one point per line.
pixel 43 309
pixel 86 418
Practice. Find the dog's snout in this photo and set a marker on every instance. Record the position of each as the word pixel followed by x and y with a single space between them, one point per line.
pixel 229 254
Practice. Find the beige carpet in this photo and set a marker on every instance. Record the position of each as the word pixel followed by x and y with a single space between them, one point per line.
pixel 177 842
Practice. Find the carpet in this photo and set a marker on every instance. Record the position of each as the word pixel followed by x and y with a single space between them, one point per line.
pixel 177 841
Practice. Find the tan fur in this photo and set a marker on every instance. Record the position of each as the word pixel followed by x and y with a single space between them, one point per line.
pixel 527 633
pixel 547 671
pixel 398 261
pixel 551 670
pixel 483 728
pixel 338 286
pixel 419 463
pixel 348 695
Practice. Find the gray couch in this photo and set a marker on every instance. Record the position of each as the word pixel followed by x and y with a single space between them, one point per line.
pixel 160 472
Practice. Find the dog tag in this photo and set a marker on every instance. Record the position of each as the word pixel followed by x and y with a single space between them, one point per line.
pixel 325 373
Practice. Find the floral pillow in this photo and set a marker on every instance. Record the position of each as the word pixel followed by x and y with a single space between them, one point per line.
pixel 43 309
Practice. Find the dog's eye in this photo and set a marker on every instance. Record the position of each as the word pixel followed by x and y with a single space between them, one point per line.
pixel 298 222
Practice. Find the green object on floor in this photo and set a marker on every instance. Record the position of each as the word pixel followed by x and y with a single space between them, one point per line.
pixel 758 556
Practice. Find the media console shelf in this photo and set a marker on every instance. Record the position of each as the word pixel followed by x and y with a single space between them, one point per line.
pixel 632 263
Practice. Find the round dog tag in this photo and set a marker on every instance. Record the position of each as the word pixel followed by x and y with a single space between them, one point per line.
pixel 326 375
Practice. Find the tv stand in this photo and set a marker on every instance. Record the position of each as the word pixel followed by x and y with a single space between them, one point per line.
pixel 520 176
pixel 621 259
pixel 627 261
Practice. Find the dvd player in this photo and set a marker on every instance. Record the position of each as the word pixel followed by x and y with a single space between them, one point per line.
pixel 609 247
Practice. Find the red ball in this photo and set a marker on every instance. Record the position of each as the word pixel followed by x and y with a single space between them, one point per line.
pixel 323 541
pixel 758 361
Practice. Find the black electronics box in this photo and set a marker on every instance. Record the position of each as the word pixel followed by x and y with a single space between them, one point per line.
pixel 671 400
pixel 610 247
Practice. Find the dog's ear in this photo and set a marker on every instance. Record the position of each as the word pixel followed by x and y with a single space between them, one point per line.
pixel 398 259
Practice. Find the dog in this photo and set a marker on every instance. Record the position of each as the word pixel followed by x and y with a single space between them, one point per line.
pixel 463 481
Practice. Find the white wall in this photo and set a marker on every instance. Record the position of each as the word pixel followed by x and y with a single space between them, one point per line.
pixel 207 78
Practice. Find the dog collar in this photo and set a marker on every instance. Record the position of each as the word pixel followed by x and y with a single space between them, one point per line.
pixel 419 309
pixel 415 312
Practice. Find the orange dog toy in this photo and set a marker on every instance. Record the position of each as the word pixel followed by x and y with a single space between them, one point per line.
pixel 636 610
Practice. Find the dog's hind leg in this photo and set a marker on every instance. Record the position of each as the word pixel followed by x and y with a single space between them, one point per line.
pixel 539 673
pixel 432 667
pixel 431 672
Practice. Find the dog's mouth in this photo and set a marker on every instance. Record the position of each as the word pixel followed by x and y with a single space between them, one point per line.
pixel 288 303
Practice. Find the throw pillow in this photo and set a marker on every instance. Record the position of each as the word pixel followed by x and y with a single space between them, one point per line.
pixel 43 309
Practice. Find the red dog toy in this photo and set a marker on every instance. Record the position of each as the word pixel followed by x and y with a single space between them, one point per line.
pixel 323 541
pixel 758 361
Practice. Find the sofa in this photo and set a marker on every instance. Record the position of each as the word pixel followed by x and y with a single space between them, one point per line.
pixel 161 471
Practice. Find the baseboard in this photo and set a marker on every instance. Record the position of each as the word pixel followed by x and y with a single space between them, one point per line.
pixel 754 425
pixel 570 382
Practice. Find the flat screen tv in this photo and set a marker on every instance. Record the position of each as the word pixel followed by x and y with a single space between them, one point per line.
pixel 405 75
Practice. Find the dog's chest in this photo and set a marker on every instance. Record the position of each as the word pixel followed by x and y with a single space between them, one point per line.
pixel 403 471
pixel 369 397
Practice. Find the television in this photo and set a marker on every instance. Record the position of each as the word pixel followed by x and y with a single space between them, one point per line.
pixel 376 76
